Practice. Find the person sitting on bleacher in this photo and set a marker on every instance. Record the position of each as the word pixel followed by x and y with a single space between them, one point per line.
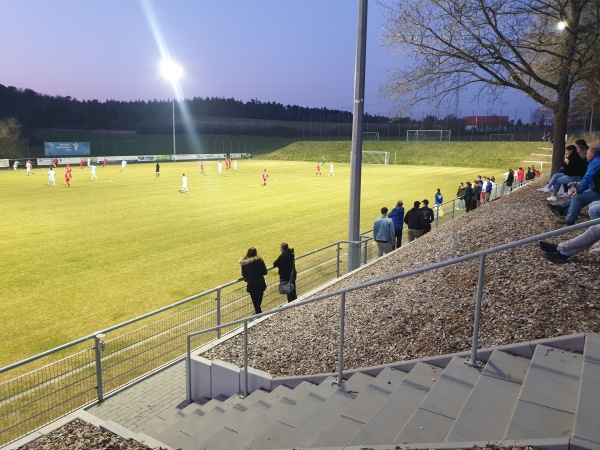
pixel 573 170
pixel 587 192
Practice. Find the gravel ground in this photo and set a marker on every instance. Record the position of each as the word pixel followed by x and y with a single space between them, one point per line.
pixel 80 435
pixel 525 297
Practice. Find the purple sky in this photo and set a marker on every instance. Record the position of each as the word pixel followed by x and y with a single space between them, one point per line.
pixel 292 52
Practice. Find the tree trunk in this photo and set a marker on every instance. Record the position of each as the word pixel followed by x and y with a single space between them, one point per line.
pixel 561 114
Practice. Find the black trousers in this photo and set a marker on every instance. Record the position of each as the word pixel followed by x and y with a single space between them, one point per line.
pixel 398 233
pixel 256 294
pixel 292 295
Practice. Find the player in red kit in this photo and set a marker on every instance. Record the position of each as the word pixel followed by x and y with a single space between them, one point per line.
pixel 55 161
pixel 202 168
pixel 265 177
pixel 105 162
pixel 68 177
pixel 318 172
pixel 81 164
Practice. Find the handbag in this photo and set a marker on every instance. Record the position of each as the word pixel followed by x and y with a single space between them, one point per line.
pixel 287 287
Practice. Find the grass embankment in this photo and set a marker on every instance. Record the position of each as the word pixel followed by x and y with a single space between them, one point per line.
pixel 450 154
pixel 79 259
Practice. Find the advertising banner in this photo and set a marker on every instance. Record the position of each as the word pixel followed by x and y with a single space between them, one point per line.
pixel 66 148
pixel 240 155
pixel 3 162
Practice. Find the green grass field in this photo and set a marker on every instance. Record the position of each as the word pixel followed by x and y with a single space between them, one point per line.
pixel 76 260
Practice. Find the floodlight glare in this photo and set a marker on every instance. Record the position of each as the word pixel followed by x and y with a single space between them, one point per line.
pixel 561 25
pixel 171 70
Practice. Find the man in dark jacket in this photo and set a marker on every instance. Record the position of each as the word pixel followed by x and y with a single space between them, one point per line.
pixel 287 269
pixel 397 216
pixel 428 217
pixel 415 222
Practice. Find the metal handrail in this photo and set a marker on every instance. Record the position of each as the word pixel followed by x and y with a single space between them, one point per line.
pixel 342 293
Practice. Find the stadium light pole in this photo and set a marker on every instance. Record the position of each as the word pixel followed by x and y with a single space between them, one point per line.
pixel 357 121
pixel 172 72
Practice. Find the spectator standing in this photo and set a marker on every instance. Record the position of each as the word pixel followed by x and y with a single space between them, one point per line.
pixel 460 195
pixel 488 190
pixel 414 221
pixel 427 213
pixel 520 176
pixel 384 233
pixel 510 179
pixel 470 203
pixel 397 216
pixel 477 193
pixel 253 273
pixel 439 199
pixel 287 268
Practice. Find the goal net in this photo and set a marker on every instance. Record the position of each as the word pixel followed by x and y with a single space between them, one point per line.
pixel 370 135
pixel 427 135
pixel 375 157
pixel 502 137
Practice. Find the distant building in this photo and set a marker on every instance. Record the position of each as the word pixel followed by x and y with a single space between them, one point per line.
pixel 497 124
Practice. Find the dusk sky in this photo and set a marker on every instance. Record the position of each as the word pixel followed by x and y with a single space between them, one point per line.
pixel 292 52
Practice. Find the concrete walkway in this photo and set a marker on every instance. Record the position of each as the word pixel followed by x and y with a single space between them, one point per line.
pixel 134 406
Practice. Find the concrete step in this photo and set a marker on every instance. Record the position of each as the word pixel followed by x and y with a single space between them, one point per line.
pixel 236 431
pixel 434 418
pixel 548 398
pixel 396 410
pixel 587 414
pixel 343 429
pixel 171 416
pixel 193 427
pixel 320 419
pixel 488 408
pixel 275 434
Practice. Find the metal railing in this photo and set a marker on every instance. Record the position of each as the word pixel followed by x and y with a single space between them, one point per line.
pixel 46 386
pixel 481 256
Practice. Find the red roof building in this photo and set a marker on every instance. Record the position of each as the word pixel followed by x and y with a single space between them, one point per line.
pixel 486 123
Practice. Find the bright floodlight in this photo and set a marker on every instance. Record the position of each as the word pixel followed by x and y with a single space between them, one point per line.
pixel 171 70
pixel 561 25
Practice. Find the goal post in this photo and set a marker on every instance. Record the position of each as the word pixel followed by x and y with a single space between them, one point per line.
pixel 376 158
pixel 502 137
pixel 427 135
pixel 370 135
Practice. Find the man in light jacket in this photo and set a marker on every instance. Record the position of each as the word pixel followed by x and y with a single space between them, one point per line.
pixel 384 233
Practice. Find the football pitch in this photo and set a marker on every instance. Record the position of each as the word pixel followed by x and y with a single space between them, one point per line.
pixel 78 259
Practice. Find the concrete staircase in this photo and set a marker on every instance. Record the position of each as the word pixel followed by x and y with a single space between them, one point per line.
pixel 549 401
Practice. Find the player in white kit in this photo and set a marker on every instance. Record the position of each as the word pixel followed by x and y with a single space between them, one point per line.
pixel 220 168
pixel 123 165
pixel 93 169
pixel 331 174
pixel 235 165
pixel 184 189
pixel 28 166
pixel 51 177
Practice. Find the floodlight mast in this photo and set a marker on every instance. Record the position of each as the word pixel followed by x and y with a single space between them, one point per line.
pixel 357 121
pixel 172 72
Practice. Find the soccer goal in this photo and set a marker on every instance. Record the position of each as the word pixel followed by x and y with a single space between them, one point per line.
pixel 370 135
pixel 502 137
pixel 375 157
pixel 427 135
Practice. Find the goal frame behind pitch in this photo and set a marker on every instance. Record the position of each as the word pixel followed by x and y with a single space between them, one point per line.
pixel 428 135
pixel 376 157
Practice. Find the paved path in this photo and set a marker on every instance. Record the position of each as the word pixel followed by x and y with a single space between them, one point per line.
pixel 136 405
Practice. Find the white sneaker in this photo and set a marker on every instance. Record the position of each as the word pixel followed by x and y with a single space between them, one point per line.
pixel 552 198
pixel 544 189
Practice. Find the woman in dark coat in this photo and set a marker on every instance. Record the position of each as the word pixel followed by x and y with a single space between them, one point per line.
pixel 253 273
pixel 469 197
pixel 287 268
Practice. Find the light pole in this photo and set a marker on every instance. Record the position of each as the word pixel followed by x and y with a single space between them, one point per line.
pixel 172 72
